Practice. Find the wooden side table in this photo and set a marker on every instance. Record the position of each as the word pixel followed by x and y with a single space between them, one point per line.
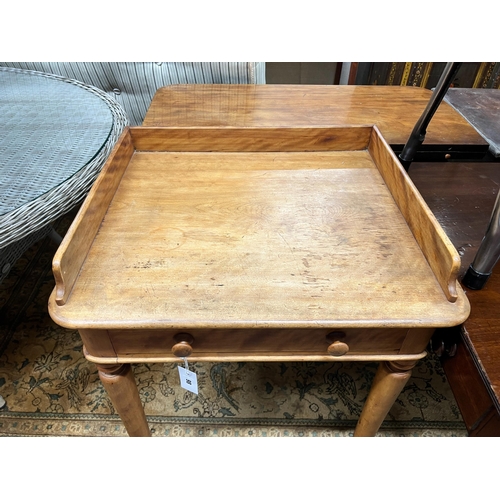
pixel 251 244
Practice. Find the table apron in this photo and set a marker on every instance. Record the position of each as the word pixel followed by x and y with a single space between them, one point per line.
pixel 265 344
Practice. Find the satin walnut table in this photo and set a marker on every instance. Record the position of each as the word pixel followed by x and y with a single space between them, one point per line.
pixel 255 244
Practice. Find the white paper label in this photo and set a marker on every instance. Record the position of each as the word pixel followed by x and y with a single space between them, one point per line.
pixel 188 380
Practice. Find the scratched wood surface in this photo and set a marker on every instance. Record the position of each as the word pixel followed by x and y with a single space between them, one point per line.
pixel 254 239
pixel 395 110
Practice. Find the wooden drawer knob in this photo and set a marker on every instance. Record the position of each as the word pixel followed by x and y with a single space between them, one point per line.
pixel 182 348
pixel 338 348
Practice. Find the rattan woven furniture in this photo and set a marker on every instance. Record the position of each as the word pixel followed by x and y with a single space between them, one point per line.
pixel 133 84
pixel 55 135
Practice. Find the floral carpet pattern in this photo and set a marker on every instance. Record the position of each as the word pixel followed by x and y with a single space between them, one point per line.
pixel 52 390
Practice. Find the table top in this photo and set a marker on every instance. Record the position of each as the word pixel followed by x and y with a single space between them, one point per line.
pixel 394 109
pixel 481 107
pixel 290 228
pixel 50 128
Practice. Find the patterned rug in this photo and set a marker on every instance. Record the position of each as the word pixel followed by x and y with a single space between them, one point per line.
pixel 51 390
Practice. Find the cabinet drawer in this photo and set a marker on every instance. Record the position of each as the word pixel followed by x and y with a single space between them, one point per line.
pixel 205 343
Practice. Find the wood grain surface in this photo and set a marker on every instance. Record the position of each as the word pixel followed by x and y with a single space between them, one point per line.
pixel 219 239
pixel 231 341
pixel 440 253
pixel 239 139
pixel 394 109
pixel 68 259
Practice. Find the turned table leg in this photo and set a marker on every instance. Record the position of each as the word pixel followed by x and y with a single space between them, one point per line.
pixel 388 383
pixel 119 382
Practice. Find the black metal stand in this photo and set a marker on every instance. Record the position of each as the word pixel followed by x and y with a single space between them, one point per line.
pixel 488 253
pixel 418 134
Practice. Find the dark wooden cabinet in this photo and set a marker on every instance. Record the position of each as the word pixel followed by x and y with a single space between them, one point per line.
pixel 462 196
pixel 470 387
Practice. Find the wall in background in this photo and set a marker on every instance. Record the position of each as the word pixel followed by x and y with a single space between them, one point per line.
pixel 307 73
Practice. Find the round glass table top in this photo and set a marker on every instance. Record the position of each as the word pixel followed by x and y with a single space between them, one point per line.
pixel 50 128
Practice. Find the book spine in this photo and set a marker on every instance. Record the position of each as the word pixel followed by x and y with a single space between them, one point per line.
pixel 426 73
pixel 416 74
pixel 406 74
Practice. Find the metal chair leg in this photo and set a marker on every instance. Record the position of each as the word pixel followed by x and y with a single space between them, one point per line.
pixel 418 134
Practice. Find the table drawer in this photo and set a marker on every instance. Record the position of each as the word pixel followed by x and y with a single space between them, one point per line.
pixel 206 343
